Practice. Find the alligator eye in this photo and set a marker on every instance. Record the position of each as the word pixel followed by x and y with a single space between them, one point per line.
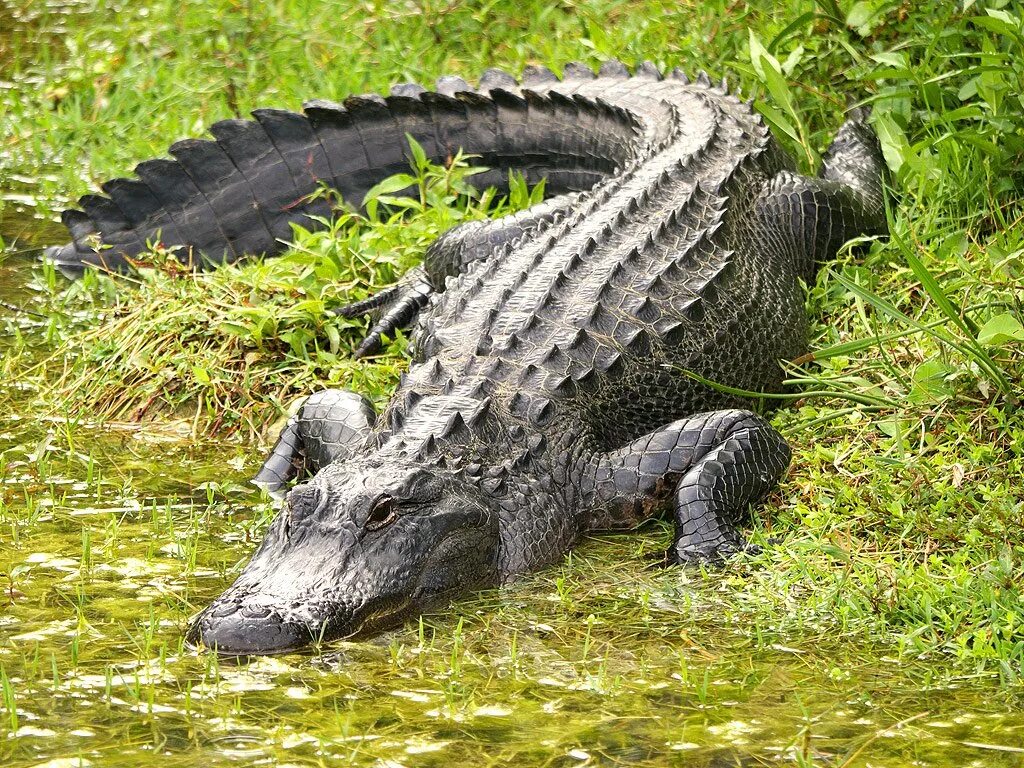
pixel 382 514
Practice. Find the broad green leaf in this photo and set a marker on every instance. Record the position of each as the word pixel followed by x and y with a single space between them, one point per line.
pixel 930 382
pixel 759 56
pixel 895 146
pixel 390 185
pixel 418 155
pixel 861 17
pixel 1001 330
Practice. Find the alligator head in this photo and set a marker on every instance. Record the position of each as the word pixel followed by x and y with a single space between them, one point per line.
pixel 359 547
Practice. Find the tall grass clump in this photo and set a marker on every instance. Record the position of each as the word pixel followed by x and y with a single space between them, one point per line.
pixel 908 476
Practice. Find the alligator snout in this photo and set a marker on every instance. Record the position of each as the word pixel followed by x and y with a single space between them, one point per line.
pixel 234 629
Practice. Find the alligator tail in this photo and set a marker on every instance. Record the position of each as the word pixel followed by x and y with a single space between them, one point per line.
pixel 241 192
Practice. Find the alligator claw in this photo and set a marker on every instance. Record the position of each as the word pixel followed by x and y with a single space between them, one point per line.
pixel 391 308
pixel 714 556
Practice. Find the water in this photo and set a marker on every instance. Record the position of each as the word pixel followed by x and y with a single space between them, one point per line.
pixel 112 537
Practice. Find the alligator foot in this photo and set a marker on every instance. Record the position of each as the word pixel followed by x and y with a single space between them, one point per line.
pixel 718 463
pixel 391 308
pixel 328 427
pixel 710 554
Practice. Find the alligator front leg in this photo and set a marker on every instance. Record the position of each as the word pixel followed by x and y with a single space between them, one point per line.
pixel 328 427
pixel 450 255
pixel 711 467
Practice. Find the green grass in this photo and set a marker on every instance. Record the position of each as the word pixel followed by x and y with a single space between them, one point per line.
pixel 890 580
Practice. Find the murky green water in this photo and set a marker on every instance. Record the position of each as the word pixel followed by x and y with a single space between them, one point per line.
pixel 110 538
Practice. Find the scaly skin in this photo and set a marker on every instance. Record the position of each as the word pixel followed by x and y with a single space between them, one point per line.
pixel 547 396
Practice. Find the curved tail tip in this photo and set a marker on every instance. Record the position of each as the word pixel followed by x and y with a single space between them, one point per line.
pixel 859 114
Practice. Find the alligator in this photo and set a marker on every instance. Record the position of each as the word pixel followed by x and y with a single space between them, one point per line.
pixel 566 359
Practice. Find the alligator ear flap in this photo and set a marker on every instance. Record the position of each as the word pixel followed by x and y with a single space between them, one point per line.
pixel 576 70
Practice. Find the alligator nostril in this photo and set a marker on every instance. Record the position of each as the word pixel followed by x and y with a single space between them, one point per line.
pixel 222 608
pixel 255 611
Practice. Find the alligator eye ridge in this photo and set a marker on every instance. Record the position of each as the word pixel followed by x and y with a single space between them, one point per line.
pixel 304 501
pixel 382 514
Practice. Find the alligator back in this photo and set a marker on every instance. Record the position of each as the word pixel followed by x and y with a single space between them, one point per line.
pixel 675 258
pixel 593 319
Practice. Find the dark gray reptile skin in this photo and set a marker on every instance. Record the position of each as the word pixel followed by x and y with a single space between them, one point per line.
pixel 546 396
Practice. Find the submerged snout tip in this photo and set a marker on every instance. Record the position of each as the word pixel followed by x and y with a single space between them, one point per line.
pixel 238 634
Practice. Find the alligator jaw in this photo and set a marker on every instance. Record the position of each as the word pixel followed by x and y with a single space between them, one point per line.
pixel 229 630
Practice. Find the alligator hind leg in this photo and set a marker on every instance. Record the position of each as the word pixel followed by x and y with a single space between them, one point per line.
pixel 711 467
pixel 328 427
pixel 811 218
